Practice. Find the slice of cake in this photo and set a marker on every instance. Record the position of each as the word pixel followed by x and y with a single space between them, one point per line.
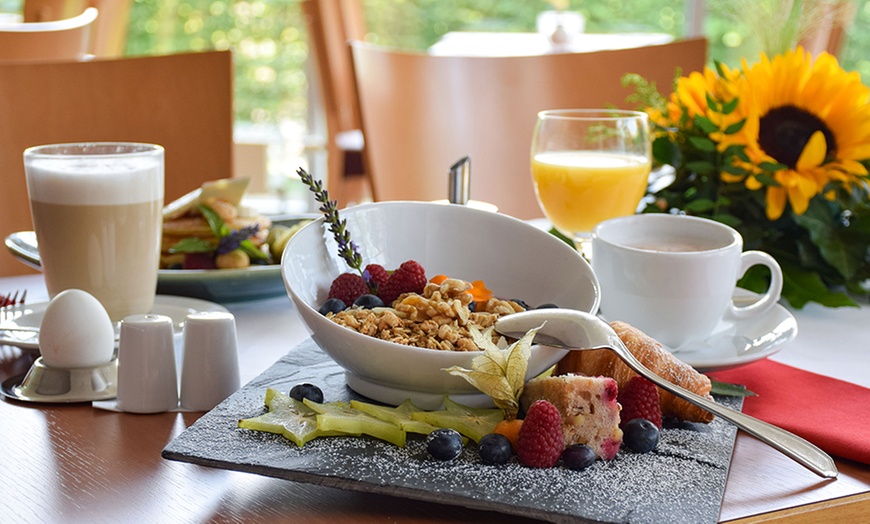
pixel 590 412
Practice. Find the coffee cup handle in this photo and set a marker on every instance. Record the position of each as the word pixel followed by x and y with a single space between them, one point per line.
pixel 770 297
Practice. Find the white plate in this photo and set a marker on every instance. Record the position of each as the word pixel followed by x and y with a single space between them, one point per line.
pixel 29 316
pixel 738 342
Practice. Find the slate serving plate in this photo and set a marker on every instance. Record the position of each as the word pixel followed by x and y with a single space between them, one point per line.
pixel 683 480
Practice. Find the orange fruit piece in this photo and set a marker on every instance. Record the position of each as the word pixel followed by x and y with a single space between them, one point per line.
pixel 510 429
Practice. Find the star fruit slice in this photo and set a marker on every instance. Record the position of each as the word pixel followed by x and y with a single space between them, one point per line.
pixel 474 423
pixel 341 417
pixel 399 415
pixel 287 417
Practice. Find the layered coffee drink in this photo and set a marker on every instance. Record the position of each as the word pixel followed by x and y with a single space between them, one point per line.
pixel 97 214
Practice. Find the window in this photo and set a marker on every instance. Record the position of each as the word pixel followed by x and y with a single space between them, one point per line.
pixel 268 37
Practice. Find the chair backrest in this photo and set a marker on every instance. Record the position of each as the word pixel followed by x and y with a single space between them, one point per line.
pixel 67 39
pixel 182 102
pixel 109 32
pixel 331 24
pixel 421 113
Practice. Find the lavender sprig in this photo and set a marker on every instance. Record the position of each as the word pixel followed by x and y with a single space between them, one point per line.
pixel 347 249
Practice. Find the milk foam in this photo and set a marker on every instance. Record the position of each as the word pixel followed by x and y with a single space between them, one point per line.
pixel 95 180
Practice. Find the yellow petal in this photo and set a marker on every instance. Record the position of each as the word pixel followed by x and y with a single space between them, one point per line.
pixel 776 198
pixel 814 152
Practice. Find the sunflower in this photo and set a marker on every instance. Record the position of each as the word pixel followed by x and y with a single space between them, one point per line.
pixel 810 119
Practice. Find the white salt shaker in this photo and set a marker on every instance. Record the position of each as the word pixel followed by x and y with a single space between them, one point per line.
pixel 147 378
pixel 210 363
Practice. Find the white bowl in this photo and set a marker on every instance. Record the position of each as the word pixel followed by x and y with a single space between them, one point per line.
pixel 515 259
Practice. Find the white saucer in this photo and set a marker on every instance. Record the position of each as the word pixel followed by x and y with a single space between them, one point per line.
pixel 738 342
pixel 29 316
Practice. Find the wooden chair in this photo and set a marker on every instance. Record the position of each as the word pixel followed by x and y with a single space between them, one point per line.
pixel 109 32
pixel 67 39
pixel 421 113
pixel 182 102
pixel 331 25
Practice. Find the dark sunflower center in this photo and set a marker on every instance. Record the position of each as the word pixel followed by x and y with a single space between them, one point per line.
pixel 784 131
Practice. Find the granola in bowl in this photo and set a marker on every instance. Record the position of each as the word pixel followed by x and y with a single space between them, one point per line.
pixel 439 318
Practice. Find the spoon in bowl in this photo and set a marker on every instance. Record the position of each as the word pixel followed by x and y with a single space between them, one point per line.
pixel 579 331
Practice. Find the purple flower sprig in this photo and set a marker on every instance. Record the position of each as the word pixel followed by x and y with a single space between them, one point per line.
pixel 347 249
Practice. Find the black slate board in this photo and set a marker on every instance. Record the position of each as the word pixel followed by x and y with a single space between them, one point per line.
pixel 683 480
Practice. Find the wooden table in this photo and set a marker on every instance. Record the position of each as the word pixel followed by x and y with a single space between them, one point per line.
pixel 74 463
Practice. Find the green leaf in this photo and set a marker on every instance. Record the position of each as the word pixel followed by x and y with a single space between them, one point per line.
pixel 800 286
pixel 702 167
pixel 845 256
pixel 665 151
pixel 772 167
pixel 729 390
pixel 191 245
pixel 703 144
pixel 730 106
pixel 253 251
pixel 712 103
pixel 706 125
pixel 734 128
pixel 700 205
pixel 558 234
pixel 215 222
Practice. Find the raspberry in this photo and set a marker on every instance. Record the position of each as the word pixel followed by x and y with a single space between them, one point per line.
pixel 540 442
pixel 409 278
pixel 376 276
pixel 347 287
pixel 640 399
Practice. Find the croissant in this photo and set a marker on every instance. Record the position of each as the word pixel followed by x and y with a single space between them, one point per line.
pixel 603 362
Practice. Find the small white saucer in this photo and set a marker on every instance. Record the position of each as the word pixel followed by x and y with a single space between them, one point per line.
pixel 55 385
pixel 422 399
pixel 29 316
pixel 735 343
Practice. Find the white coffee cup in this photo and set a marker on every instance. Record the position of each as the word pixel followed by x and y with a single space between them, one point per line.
pixel 210 363
pixel 674 276
pixel 97 214
pixel 147 377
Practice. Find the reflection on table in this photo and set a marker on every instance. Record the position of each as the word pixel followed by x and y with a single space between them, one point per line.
pixel 471 43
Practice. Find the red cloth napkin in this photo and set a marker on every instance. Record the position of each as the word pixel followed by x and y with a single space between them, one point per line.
pixel 830 413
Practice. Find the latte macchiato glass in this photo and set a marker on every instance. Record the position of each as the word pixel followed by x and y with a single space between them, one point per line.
pixel 97 214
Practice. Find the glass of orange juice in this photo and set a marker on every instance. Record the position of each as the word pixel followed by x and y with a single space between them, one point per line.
pixel 589 165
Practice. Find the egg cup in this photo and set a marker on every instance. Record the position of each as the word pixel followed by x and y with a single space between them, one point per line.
pixel 44 383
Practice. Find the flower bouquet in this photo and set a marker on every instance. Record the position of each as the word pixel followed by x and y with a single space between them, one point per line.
pixel 778 150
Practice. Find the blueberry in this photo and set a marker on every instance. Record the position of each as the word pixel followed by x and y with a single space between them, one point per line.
pixel 494 448
pixel 309 391
pixel 521 303
pixel 332 305
pixel 640 435
pixel 444 444
pixel 368 301
pixel 548 305
pixel 578 456
pixel 472 306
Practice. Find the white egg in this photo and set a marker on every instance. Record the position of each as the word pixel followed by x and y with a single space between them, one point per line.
pixel 76 331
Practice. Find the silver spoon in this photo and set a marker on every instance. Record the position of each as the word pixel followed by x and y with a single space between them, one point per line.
pixel 577 330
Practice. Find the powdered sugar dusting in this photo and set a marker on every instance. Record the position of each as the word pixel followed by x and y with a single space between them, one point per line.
pixel 681 481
